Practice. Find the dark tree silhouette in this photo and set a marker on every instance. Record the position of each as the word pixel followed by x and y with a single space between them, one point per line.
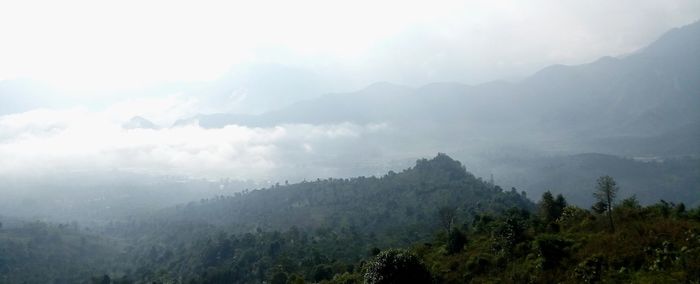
pixel 547 207
pixel 455 241
pixel 447 216
pixel 396 266
pixel 605 193
pixel 551 209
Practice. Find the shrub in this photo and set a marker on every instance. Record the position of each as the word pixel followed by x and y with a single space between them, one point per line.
pixel 396 266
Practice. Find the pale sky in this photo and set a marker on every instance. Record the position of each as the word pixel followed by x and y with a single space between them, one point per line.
pixel 97 45
pixel 113 52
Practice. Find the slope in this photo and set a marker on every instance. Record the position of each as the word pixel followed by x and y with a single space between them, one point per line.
pixel 394 202
pixel 651 92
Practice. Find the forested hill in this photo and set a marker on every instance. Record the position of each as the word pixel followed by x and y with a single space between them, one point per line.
pixel 395 201
pixel 314 229
pixel 451 227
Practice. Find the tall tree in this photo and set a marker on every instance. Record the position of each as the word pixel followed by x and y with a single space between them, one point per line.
pixel 550 209
pixel 447 217
pixel 560 203
pixel 455 241
pixel 547 207
pixel 605 193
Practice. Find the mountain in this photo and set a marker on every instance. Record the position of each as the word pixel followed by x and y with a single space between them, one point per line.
pixel 637 97
pixel 650 180
pixel 257 88
pixel 646 93
pixel 305 227
pixel 391 203
pixel 139 122
pixel 434 222
pixel 302 227
pixel 96 197
pixel 38 252
pixel 366 105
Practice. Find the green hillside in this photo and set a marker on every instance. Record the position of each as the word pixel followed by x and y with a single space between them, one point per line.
pixel 431 223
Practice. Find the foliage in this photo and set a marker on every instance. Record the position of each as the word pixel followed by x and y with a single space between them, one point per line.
pixel 606 191
pixel 398 236
pixel 550 209
pixel 396 266
pixel 455 241
pixel 551 250
pixel 38 252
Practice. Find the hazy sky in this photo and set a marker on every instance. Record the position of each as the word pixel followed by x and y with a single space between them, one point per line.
pixel 97 45
pixel 94 48
pixel 40 141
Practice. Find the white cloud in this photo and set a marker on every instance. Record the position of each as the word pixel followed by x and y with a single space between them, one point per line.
pixel 97 44
pixel 163 111
pixel 80 140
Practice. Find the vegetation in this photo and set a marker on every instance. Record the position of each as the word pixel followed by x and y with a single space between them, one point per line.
pixel 433 223
pixel 605 193
pixel 575 177
pixel 396 266
pixel 38 252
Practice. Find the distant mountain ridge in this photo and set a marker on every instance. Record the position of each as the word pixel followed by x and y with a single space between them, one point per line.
pixel 650 180
pixel 652 92
pixel 139 122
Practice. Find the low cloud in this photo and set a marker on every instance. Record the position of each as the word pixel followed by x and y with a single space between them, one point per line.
pixel 42 141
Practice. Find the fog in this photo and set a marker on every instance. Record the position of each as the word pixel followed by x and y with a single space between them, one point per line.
pixel 363 141
pixel 93 52
pixel 272 92
pixel 75 140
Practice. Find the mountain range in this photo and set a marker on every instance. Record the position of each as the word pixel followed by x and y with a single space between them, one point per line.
pixel 647 101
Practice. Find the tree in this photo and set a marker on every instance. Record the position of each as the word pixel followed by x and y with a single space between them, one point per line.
pixel 396 266
pixel 551 209
pixel 680 210
pixel 599 207
pixel 295 279
pixel 631 203
pixel 374 251
pixel 551 250
pixel 322 272
pixel 560 203
pixel 510 230
pixel 605 193
pixel 455 241
pixel 279 278
pixel 547 207
pixel 447 217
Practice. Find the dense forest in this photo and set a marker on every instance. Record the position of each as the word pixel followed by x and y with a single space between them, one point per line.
pixel 432 223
